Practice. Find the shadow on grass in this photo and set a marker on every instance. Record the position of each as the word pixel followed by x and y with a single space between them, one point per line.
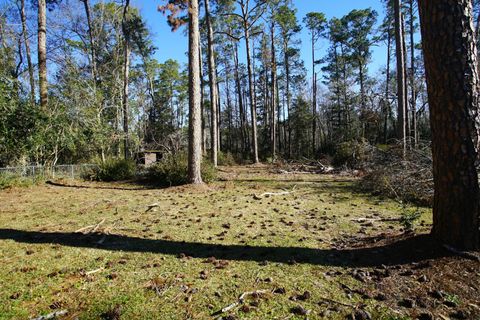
pixel 396 250
pixel 143 185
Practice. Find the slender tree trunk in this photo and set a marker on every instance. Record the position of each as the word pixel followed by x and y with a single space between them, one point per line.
pixel 86 5
pixel 212 78
pixel 273 93
pixel 126 72
pixel 42 53
pixel 219 109
pixel 401 103
pixel 288 97
pixel 31 77
pixel 202 103
pixel 453 95
pixel 406 78
pixel 240 99
pixel 413 97
pixel 251 92
pixel 195 113
pixel 314 98
pixel 387 89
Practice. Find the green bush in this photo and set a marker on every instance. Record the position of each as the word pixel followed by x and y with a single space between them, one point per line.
pixel 172 170
pixel 111 170
pixel 8 180
pixel 226 159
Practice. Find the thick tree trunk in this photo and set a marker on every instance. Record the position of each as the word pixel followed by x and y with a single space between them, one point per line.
pixel 195 113
pixel 31 77
pixel 401 103
pixel 450 54
pixel 126 72
pixel 212 78
pixel 42 53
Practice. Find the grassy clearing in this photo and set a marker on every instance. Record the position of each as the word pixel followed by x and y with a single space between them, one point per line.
pixel 153 264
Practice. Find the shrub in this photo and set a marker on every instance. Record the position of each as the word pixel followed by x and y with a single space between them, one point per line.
pixel 226 159
pixel 111 170
pixel 173 171
pixel 408 218
pixel 8 180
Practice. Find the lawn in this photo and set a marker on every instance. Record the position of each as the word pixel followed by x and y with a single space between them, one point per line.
pixel 317 248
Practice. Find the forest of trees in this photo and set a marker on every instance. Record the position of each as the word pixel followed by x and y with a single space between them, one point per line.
pixel 102 93
pixel 79 81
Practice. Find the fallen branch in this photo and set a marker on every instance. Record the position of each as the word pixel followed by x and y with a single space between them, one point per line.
pixel 240 301
pixel 267 194
pixel 93 271
pixel 92 228
pixel 151 206
pixel 338 302
pixel 361 220
pixel 51 315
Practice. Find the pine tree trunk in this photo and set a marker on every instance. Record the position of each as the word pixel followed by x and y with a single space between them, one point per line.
pixel 202 103
pixel 212 78
pixel 406 112
pixel 273 93
pixel 450 55
pixel 86 5
pixel 240 99
pixel 126 72
pixel 288 97
pixel 413 102
pixel 314 98
pixel 401 103
pixel 251 92
pixel 195 113
pixel 31 76
pixel 42 53
pixel 387 89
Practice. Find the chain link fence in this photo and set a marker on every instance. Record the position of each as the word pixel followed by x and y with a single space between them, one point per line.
pixel 64 171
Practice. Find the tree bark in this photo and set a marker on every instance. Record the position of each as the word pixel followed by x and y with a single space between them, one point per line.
pixel 212 78
pixel 195 114
pixel 31 77
pixel 401 103
pixel 453 90
pixel 42 53
pixel 126 72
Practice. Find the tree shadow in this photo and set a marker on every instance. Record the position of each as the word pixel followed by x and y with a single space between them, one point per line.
pixel 396 250
pixel 100 187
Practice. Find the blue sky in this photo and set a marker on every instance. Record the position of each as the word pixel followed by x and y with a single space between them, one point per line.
pixel 174 45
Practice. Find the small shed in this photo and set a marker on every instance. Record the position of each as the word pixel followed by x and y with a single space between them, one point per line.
pixel 148 157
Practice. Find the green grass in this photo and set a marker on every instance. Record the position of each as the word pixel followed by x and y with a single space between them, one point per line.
pixel 39 275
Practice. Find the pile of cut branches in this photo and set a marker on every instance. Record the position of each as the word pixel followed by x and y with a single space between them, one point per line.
pixel 406 178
